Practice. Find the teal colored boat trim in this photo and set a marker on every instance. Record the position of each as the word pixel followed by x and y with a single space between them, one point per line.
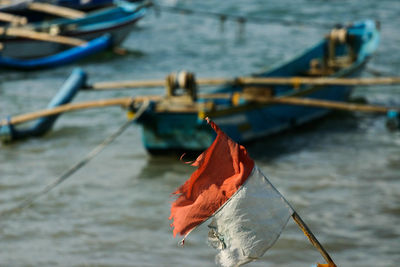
pixel 99 18
pixel 67 92
pixel 107 19
pixel 65 57
pixel 393 120
pixel 83 5
pixel 165 132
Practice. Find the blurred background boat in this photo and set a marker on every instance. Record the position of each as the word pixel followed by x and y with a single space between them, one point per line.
pixel 116 22
pixel 175 123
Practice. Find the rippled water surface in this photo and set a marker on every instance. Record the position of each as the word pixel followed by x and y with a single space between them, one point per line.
pixel 341 174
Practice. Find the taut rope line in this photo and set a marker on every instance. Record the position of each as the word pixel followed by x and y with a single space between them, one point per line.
pixel 29 200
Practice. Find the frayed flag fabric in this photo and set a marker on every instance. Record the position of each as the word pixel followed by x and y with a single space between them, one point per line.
pixel 250 221
pixel 247 213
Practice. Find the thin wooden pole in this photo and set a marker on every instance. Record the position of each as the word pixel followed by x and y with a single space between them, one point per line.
pixel 314 241
pixel 13 19
pixel 253 81
pixel 126 84
pixel 150 83
pixel 326 104
pixel 285 101
pixel 30 34
pixel 194 107
pixel 57 10
pixel 123 102
pixel 320 81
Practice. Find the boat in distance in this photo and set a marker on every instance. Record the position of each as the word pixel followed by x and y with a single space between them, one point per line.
pixel 116 22
pixel 176 123
pixel 246 108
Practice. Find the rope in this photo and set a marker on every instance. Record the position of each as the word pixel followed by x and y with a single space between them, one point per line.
pixel 238 18
pixel 378 73
pixel 29 201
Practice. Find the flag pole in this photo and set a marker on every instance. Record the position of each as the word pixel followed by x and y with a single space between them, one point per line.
pixel 313 239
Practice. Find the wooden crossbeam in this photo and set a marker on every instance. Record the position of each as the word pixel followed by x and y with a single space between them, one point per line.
pixel 30 34
pixel 57 10
pixel 13 19
pixel 293 81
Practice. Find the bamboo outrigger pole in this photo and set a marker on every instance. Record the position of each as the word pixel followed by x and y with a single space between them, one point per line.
pixel 13 19
pixel 57 10
pixel 30 34
pixel 150 83
pixel 320 81
pixel 122 102
pixel 295 81
pixel 301 101
pixel 127 101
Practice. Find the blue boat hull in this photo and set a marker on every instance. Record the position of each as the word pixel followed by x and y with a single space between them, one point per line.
pixel 117 22
pixel 64 57
pixel 165 132
pixel 169 131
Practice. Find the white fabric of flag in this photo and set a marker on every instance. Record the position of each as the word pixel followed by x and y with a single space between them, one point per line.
pixel 250 222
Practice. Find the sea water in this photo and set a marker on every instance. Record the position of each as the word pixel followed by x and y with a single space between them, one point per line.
pixel 341 174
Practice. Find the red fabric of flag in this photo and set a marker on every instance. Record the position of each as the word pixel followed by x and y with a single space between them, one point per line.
pixel 217 178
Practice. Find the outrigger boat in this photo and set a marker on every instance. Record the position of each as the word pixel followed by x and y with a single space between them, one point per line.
pixel 115 22
pixel 176 121
pixel 245 108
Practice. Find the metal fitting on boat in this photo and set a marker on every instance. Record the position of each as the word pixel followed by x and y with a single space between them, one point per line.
pixel 393 120
pixel 6 133
pixel 338 35
pixel 54 30
pixel 184 80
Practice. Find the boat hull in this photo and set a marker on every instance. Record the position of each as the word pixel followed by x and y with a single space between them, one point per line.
pixel 64 57
pixel 164 132
pixel 187 132
pixel 119 26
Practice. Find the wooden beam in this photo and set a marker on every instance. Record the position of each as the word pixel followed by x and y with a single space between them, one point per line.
pixel 123 102
pixel 13 19
pixel 294 81
pixel 325 104
pixel 319 81
pixel 175 106
pixel 57 10
pixel 30 34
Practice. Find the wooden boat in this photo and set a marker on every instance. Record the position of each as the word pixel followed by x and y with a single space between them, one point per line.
pixel 247 108
pixel 117 21
pixel 176 122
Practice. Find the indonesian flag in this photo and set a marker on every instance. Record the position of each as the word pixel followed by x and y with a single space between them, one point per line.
pixel 247 213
